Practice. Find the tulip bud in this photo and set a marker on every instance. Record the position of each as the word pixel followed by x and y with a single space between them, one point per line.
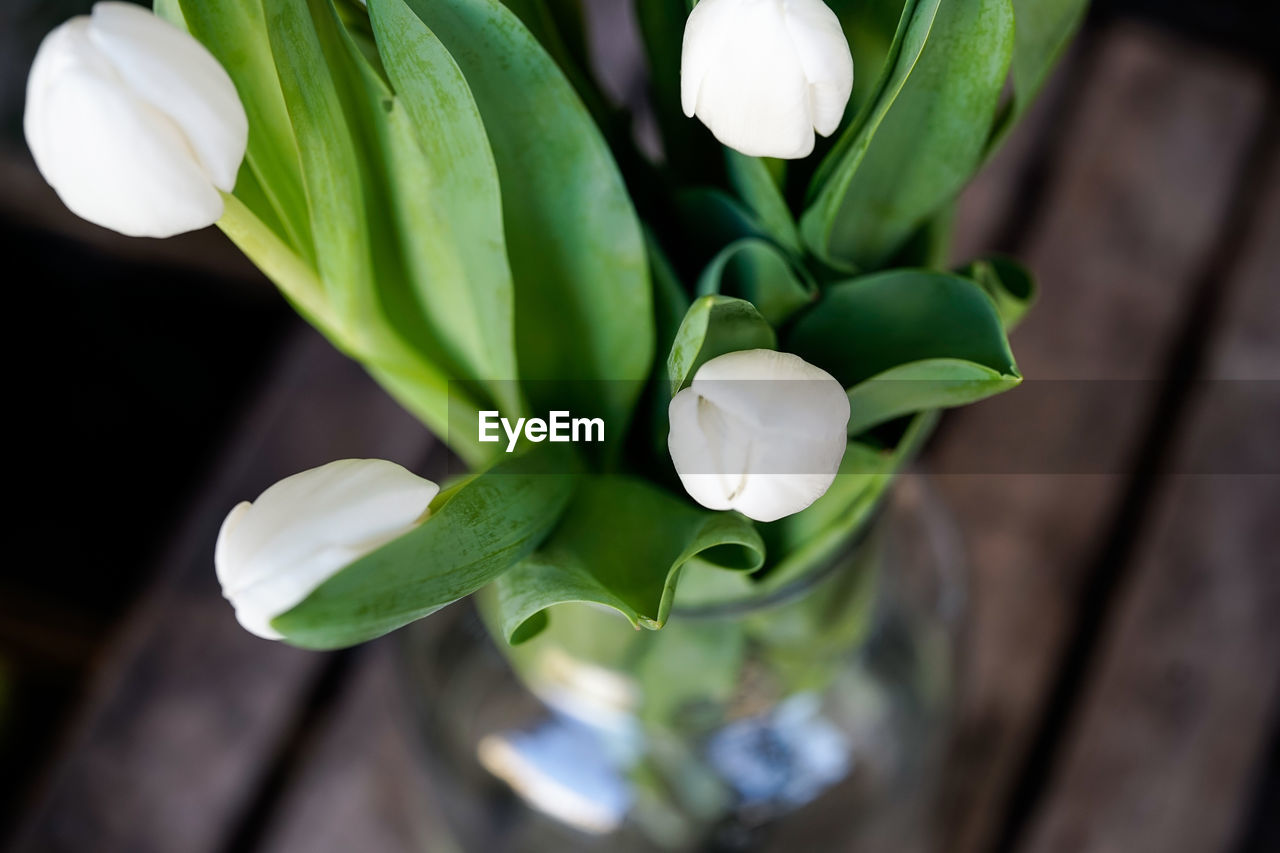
pixel 134 123
pixel 272 553
pixel 758 431
pixel 764 74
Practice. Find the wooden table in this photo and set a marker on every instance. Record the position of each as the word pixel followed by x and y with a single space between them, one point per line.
pixel 1121 680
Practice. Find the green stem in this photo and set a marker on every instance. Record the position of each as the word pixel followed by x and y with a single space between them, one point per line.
pixel 296 278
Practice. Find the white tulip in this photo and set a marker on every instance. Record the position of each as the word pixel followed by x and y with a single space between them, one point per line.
pixel 272 553
pixel 134 123
pixel 760 432
pixel 765 74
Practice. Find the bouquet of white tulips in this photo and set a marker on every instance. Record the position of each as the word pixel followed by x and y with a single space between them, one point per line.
pixel 707 357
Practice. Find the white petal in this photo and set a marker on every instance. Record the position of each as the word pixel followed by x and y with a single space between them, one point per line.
pixel 755 98
pixel 358 503
pixel 168 69
pixel 280 592
pixel 116 161
pixel 706 33
pixel 273 553
pixel 760 432
pixel 692 454
pixel 775 392
pixel 769 497
pixel 66 48
pixel 823 52
pixel 226 554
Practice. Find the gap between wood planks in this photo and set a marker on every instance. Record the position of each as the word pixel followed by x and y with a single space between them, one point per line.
pixel 1109 570
pixel 1129 182
pixel 318 713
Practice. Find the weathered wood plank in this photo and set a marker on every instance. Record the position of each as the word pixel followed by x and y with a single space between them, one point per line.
pixel 1132 210
pixel 364 785
pixel 188 709
pixel 1171 732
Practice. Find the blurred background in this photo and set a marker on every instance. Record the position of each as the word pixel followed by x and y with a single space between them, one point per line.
pixel 1121 669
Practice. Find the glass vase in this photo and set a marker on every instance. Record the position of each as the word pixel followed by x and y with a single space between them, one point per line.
pixel 813 719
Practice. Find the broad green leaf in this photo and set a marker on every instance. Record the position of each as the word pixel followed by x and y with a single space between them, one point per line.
pixel 446 199
pixel 702 588
pixel 235 32
pixel 930 246
pixel 715 325
pixel 473 534
pixel 871 324
pixel 831 179
pixel 934 383
pixel 757 188
pixel 1008 283
pixel 675 671
pixel 558 25
pixel 1042 31
pixel 711 219
pixel 331 162
pixel 757 271
pixel 302 170
pixel 924 135
pixel 869 26
pixel 583 305
pixel 326 92
pixel 622 544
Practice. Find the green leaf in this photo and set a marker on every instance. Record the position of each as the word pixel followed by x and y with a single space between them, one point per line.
pixel 331 162
pixel 235 32
pixel 326 88
pixel 906 341
pixel 715 325
pixel 171 11
pixel 1007 282
pixel 757 271
pixel 473 534
pixel 712 218
pixel 753 182
pixel 1042 31
pixel 622 544
pixel 921 138
pixel 869 26
pixel 934 383
pixel 871 324
pixel 930 246
pixel 831 179
pixel 583 304
pixel 558 25
pixel 443 184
